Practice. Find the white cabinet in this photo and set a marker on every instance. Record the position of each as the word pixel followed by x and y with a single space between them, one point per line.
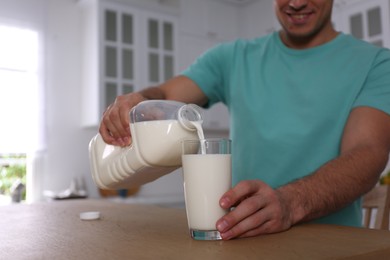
pixel 190 47
pixel 209 18
pixel 117 52
pixel 203 24
pixel 193 17
pixel 366 20
pixel 257 18
pixel 222 21
pixel 124 49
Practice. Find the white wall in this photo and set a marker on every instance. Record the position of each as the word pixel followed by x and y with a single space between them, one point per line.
pixel 67 142
pixel 256 19
pixel 66 153
pixel 29 13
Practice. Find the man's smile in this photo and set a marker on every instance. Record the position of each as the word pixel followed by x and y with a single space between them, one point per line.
pixel 299 18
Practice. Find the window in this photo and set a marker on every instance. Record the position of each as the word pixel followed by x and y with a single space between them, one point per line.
pixel 19 99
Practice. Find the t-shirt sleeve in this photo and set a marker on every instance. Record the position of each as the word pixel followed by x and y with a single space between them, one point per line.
pixel 376 91
pixel 208 72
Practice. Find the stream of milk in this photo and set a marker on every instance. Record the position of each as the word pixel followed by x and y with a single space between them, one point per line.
pixel 199 129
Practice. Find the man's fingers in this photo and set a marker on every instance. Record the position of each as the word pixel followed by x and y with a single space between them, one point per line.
pixel 240 192
pixel 246 208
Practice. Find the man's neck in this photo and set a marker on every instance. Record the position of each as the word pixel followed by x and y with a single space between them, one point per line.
pixel 307 42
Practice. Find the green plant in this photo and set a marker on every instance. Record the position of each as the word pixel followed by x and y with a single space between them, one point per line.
pixel 385 179
pixel 10 174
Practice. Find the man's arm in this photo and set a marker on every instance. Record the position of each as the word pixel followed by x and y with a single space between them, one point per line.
pixel 363 156
pixel 364 153
pixel 114 126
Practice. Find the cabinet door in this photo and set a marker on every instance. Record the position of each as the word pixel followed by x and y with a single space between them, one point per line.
pixel 369 21
pixel 191 47
pixel 222 21
pixel 337 16
pixel 138 50
pixel 160 48
pixel 124 49
pixel 193 17
pixel 118 52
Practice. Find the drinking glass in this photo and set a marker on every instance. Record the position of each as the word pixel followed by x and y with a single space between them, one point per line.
pixel 207 176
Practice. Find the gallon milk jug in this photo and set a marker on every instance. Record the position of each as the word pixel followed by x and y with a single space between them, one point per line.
pixel 157 128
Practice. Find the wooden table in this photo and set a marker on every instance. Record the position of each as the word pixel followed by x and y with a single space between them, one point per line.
pixel 54 230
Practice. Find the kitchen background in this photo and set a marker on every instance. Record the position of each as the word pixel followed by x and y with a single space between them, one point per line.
pixel 90 51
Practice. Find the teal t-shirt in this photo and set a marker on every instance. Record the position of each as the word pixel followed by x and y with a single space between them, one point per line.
pixel 288 107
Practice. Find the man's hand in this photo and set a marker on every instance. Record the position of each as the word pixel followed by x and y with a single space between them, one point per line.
pixel 259 209
pixel 114 127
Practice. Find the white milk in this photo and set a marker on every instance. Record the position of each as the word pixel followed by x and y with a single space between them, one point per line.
pixel 206 178
pixel 159 142
pixel 199 129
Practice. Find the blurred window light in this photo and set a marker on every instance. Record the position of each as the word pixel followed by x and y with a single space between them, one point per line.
pixel 19 100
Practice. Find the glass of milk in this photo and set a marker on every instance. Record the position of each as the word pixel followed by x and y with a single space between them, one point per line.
pixel 207 176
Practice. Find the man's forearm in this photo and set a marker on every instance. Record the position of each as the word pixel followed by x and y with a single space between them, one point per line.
pixel 152 93
pixel 335 185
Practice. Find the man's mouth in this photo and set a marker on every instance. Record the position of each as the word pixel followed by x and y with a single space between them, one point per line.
pixel 299 18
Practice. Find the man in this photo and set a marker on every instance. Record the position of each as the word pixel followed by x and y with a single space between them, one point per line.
pixel 310 120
